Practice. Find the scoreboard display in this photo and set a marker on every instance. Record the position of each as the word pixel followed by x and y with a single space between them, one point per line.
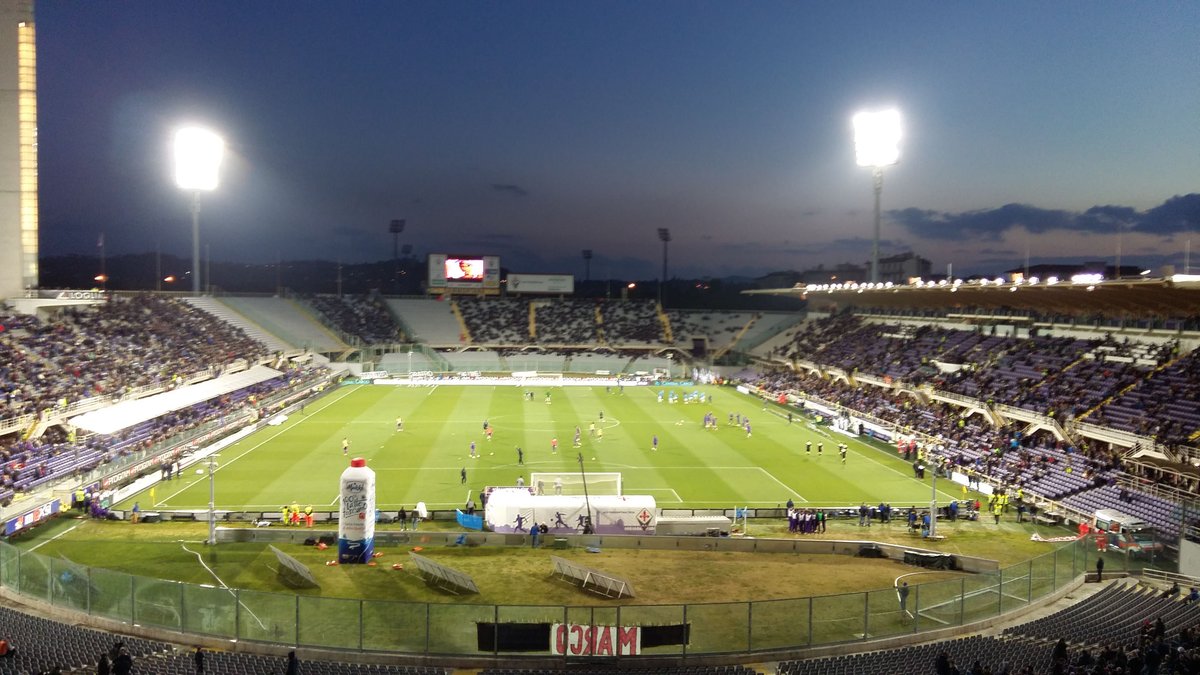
pixel 464 273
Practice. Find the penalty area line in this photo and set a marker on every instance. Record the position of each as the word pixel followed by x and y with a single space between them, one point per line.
pixel 783 484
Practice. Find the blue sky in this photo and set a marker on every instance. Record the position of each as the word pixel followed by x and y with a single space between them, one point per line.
pixel 536 129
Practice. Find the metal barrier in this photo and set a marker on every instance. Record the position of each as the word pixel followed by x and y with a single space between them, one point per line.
pixel 474 630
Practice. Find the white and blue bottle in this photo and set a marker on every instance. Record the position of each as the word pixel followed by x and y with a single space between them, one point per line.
pixel 356 526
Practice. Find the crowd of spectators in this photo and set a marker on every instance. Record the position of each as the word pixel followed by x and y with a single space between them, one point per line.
pixel 366 317
pixel 1063 377
pixel 26 464
pixel 496 321
pixel 110 348
pixel 968 444
pixel 719 328
pixel 566 322
pixel 631 322
pixel 1163 404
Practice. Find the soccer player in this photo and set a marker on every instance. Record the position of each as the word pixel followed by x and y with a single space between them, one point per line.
pixel 747 427
pixel 820 448
pixel 654 443
pixel 473 455
pixel 489 433
pixel 592 429
pixel 345 446
pixel 399 424
pixel 520 455
pixel 842 451
pixel 554 445
pixel 578 437
pixel 558 486
pixel 463 474
pixel 599 434
pixel 485 426
pixel 808 448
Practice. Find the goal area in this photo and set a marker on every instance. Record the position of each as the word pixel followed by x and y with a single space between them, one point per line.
pixel 601 483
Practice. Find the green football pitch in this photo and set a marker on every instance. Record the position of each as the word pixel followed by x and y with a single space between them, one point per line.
pixel 693 467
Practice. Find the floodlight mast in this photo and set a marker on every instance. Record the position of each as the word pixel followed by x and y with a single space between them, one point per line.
pixel 198 154
pixel 664 235
pixel 877 144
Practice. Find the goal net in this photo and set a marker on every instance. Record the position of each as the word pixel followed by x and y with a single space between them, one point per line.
pixel 572 483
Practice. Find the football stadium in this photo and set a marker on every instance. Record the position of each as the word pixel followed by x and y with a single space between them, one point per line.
pixel 516 473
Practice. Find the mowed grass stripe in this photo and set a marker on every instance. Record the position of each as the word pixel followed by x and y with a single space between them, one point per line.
pixel 302 460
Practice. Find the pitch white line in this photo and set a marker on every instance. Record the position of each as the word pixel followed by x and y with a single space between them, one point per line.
pixel 223 586
pixel 639 490
pixel 248 451
pixel 783 484
pixel 863 454
pixel 41 544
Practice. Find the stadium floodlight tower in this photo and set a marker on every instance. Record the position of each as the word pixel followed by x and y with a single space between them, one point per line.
pixel 664 235
pixel 198 155
pixel 877 144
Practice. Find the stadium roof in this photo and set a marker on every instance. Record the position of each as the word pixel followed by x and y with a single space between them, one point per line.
pixel 1173 297
pixel 130 413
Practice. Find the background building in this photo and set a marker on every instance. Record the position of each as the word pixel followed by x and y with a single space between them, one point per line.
pixel 901 267
pixel 18 149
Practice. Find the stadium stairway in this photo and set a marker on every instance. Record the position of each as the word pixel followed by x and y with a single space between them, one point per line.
pixel 464 332
pixel 666 323
pixel 740 334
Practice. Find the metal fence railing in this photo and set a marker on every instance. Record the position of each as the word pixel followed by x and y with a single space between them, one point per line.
pixel 464 629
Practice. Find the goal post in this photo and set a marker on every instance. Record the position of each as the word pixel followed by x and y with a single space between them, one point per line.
pixel 601 483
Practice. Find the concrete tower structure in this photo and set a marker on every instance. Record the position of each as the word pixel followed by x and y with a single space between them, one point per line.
pixel 18 149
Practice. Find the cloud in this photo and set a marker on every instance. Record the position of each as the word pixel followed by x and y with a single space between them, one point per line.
pixel 509 188
pixel 1177 214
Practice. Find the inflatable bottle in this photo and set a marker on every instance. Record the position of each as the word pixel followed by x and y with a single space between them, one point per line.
pixel 356 526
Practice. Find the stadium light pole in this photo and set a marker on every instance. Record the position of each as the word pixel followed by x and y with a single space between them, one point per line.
pixel 587 264
pixel 877 144
pixel 212 500
pixel 587 502
pixel 198 155
pixel 664 235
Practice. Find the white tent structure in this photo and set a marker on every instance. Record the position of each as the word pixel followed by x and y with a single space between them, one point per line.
pixel 517 509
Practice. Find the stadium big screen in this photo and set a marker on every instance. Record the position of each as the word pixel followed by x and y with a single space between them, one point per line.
pixel 464 273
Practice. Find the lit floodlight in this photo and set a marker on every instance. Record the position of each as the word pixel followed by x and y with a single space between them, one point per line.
pixel 1051 281
pixel 1033 281
pixel 1087 278
pixel 999 281
pixel 877 138
pixel 198 155
pixel 888 284
pixel 877 144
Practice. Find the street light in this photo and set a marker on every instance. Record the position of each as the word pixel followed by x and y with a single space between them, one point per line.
pixel 877 144
pixel 197 159
pixel 664 235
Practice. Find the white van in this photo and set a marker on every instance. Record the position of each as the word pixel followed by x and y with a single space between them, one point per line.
pixel 1126 533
